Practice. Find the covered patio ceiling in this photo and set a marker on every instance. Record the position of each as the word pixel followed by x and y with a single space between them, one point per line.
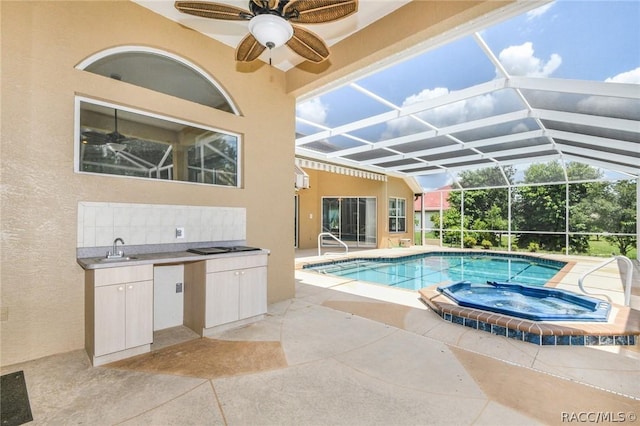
pixel 482 100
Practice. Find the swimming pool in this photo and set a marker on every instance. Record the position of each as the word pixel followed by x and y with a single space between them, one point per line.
pixel 418 271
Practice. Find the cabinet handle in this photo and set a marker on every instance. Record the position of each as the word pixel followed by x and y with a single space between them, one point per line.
pixel 236 273
pixel 241 272
pixel 130 286
pixel 121 288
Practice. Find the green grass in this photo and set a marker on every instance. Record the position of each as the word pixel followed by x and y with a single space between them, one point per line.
pixel 605 248
pixel 599 248
pixel 428 236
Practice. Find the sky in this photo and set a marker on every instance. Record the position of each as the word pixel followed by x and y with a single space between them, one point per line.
pixel 568 39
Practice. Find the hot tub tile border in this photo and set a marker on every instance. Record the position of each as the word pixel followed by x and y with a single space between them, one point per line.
pixel 539 333
pixel 543 337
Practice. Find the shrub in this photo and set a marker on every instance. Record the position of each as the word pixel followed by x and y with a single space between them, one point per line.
pixel 469 242
pixel 533 247
pixel 486 244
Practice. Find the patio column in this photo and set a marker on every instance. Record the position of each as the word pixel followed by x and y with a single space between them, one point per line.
pixel 422 221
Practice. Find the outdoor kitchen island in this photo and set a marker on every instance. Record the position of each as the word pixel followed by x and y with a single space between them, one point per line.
pixel 221 290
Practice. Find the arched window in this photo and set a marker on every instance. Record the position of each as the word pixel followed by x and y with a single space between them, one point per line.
pixel 159 71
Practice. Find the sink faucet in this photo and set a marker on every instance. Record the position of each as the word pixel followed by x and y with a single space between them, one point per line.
pixel 116 252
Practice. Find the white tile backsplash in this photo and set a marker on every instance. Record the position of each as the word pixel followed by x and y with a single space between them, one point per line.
pixel 100 223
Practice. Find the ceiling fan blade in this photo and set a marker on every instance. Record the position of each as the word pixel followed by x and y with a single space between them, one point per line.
pixel 319 11
pixel 308 45
pixel 249 49
pixel 213 10
pixel 270 4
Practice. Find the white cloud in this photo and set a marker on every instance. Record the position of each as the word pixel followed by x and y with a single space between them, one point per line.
pixel 426 94
pixel 406 125
pixel 519 128
pixel 313 110
pixel 538 12
pixel 520 61
pixel 609 105
pixel 446 115
pixel 632 77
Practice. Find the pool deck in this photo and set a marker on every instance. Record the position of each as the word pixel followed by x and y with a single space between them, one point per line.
pixel 611 367
pixel 344 353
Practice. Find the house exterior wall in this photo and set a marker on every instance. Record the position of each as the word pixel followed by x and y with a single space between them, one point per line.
pixel 327 184
pixel 42 285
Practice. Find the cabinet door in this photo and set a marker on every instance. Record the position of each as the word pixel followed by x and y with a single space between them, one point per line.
pixel 109 333
pixel 253 292
pixel 139 313
pixel 221 298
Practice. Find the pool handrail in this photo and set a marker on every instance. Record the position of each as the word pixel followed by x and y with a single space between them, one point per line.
pixel 329 234
pixel 627 282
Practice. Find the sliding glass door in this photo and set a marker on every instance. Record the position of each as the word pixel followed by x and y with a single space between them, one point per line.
pixel 351 219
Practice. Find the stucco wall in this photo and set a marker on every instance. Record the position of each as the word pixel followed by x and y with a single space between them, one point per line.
pixel 42 285
pixel 327 184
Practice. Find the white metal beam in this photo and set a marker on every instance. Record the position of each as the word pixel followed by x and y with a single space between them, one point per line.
pixel 481 143
pixel 588 120
pixel 532 160
pixel 595 141
pixel 594 153
pixel 632 171
pixel 456 96
pixel 451 129
pixel 582 87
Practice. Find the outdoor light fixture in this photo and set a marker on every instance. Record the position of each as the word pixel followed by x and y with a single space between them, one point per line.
pixel 272 23
pixel 270 30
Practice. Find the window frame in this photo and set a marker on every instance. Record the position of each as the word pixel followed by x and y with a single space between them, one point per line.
pixel 397 213
pixel 77 136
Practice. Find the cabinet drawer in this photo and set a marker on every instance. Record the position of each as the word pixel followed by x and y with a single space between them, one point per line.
pixel 124 274
pixel 239 262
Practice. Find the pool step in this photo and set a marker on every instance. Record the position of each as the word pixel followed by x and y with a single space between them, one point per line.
pixel 347 268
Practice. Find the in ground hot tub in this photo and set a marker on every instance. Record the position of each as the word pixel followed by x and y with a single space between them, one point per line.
pixel 533 303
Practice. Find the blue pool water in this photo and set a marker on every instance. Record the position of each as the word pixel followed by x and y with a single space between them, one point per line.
pixel 419 271
pixel 534 303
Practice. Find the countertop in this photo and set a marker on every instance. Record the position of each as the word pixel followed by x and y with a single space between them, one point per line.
pixel 159 258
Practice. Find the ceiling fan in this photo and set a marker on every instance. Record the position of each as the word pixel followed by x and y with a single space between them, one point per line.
pixel 270 23
pixel 115 140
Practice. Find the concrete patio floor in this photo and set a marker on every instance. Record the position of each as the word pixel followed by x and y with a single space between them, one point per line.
pixel 343 353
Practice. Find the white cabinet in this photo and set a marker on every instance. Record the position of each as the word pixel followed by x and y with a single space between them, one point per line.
pixel 234 295
pixel 252 289
pixel 223 291
pixel 118 312
pixel 222 298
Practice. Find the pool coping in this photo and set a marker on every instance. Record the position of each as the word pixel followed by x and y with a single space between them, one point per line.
pixel 309 264
pixel 622 327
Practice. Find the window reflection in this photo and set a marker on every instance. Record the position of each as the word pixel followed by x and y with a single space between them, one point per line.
pixel 125 143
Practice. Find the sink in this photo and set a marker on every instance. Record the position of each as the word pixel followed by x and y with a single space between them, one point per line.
pixel 116 259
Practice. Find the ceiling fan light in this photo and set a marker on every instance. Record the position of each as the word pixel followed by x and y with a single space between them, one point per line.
pixel 270 30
